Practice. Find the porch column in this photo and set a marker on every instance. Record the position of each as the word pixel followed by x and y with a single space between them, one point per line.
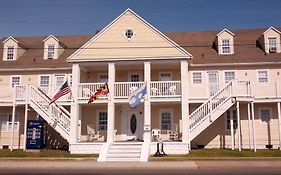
pixel 231 131
pixel 147 104
pixel 25 116
pixel 253 126
pixel 110 104
pixel 238 126
pixel 185 102
pixel 279 123
pixel 13 125
pixel 74 105
pixel 249 126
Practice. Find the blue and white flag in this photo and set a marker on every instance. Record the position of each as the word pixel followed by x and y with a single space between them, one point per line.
pixel 136 96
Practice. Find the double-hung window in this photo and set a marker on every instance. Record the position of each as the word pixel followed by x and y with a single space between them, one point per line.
pixel 272 44
pixel 166 76
pixel 262 76
pixel 44 83
pixel 10 52
pixel 102 123
pixel 103 78
pixel 225 46
pixel 15 81
pixel 265 115
pixel 197 77
pixel 229 76
pixel 166 120
pixel 51 51
pixel 6 123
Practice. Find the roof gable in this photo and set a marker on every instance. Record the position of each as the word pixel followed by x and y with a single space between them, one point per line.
pixel 146 43
pixel 272 28
pixel 10 38
pixel 225 30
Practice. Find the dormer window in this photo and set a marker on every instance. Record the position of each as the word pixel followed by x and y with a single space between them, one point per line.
pixel 226 46
pixel 51 51
pixel 10 52
pixel 272 44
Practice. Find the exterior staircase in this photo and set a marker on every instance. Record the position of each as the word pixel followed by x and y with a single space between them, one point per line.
pixel 57 116
pixel 211 110
pixel 124 151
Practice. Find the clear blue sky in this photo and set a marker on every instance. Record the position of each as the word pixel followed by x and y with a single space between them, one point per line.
pixel 68 17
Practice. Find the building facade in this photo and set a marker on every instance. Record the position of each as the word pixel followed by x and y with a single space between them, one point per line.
pixel 205 89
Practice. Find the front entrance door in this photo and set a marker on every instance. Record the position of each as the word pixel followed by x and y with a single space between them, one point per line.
pixel 213 82
pixel 135 125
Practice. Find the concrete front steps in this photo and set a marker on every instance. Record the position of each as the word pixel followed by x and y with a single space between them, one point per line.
pixel 124 151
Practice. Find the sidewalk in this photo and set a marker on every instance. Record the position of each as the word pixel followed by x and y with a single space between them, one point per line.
pixel 169 165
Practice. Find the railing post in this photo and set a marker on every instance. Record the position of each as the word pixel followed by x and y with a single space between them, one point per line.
pixel 211 109
pixel 13 118
pixel 25 115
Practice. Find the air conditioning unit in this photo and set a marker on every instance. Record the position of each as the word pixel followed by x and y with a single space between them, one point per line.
pixel 272 50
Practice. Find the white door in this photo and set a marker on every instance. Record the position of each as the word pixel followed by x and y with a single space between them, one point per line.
pixel 135 125
pixel 213 82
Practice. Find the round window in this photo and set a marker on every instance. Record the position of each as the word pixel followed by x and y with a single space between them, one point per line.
pixel 133 123
pixel 129 33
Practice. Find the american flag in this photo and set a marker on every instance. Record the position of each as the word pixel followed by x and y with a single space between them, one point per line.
pixel 65 89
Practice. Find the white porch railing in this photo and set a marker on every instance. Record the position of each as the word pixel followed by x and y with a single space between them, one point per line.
pixel 85 90
pixel 6 94
pixel 124 89
pixel 165 89
pixel 266 90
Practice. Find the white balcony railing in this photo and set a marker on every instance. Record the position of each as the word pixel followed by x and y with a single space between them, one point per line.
pixel 6 94
pixel 85 90
pixel 124 89
pixel 165 89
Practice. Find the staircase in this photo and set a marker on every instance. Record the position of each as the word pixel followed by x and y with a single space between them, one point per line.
pixel 124 151
pixel 211 110
pixel 57 116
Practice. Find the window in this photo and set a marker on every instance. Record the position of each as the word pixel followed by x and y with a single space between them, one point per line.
pixel 165 76
pixel 135 77
pixel 15 80
pixel 6 122
pixel 197 77
pixel 10 52
pixel 225 46
pixel 51 51
pixel 262 76
pixel 60 79
pixel 265 115
pixel 229 76
pixel 272 44
pixel 129 33
pixel 229 114
pixel 166 120
pixel 103 78
pixel 44 83
pixel 102 121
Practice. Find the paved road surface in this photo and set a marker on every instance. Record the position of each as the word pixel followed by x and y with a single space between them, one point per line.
pixel 150 168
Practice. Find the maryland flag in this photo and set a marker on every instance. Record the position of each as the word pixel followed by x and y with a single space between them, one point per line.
pixel 102 91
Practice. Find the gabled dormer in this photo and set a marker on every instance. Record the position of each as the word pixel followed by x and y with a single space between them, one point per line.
pixel 52 47
pixel 269 41
pixel 12 50
pixel 225 42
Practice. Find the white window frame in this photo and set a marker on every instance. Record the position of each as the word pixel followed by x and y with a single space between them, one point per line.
pixel 160 118
pixel 98 120
pixel 225 46
pixel 202 79
pixel 45 89
pixel 99 77
pixel 9 53
pixel 235 120
pixel 134 73
pixel 161 73
pixel 9 123
pixel 269 43
pixel 260 115
pixel 228 71
pixel 258 75
pixel 11 80
pixel 56 87
pixel 51 52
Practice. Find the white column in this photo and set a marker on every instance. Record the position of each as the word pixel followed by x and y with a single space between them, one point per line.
pixel 249 126
pixel 110 104
pixel 238 125
pixel 231 130
pixel 74 105
pixel 279 122
pixel 185 102
pixel 13 126
pixel 253 126
pixel 147 104
pixel 25 117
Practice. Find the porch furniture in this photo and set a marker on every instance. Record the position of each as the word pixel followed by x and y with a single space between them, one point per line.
pixel 155 91
pixel 132 89
pixel 155 134
pixel 93 135
pixel 168 135
pixel 171 90
pixel 86 92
